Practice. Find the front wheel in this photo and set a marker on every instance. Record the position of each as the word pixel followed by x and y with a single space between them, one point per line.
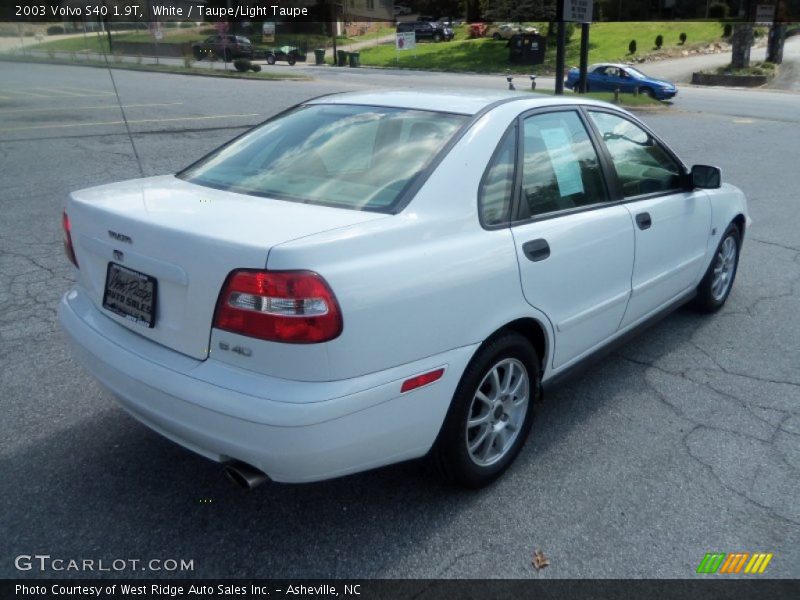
pixel 647 92
pixel 715 287
pixel 270 59
pixel 491 412
pixel 291 61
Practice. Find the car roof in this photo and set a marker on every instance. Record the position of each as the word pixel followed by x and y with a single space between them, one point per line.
pixel 465 102
pixel 618 65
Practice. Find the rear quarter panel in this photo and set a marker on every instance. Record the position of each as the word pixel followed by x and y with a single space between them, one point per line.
pixel 424 281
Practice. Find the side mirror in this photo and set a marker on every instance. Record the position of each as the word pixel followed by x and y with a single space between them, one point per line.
pixel 706 177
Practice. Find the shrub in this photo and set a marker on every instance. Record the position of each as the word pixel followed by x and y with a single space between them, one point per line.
pixel 659 41
pixel 242 65
pixel 728 30
pixel 683 38
pixel 55 30
pixel 632 47
pixel 256 68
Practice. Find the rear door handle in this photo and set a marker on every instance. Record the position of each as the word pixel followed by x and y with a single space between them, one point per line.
pixel 536 250
pixel 643 220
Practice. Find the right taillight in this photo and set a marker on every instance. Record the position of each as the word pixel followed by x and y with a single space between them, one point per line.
pixel 69 250
pixel 296 307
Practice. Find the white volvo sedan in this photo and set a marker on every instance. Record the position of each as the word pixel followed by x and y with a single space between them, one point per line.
pixel 368 278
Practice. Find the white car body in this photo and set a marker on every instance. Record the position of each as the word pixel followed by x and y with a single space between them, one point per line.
pixel 419 290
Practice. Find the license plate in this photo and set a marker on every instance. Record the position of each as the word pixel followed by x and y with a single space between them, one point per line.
pixel 131 294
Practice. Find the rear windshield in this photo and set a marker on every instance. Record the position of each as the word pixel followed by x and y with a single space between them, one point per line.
pixel 358 157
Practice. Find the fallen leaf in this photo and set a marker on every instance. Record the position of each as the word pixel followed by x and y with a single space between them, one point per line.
pixel 539 561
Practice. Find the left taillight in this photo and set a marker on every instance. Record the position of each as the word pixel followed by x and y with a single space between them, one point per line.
pixel 296 307
pixel 69 249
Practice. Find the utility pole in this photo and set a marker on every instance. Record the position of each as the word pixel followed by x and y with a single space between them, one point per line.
pixel 561 37
pixel 584 57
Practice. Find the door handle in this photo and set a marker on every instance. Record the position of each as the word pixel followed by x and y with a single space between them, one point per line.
pixel 536 250
pixel 643 220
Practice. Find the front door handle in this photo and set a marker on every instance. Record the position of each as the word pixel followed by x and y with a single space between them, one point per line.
pixel 536 250
pixel 643 220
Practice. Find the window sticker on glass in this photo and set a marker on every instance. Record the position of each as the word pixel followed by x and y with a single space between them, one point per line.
pixel 565 163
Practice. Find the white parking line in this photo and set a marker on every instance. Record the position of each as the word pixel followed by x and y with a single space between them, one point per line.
pixel 69 108
pixel 130 122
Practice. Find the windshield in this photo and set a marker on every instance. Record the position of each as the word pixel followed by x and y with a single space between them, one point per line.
pixel 359 157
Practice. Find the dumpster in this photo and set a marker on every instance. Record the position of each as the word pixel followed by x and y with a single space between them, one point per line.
pixel 527 49
pixel 355 59
pixel 319 56
pixel 341 58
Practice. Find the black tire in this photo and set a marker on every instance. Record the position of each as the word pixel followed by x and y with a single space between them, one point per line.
pixel 647 92
pixel 496 37
pixel 710 298
pixel 291 60
pixel 270 59
pixel 452 455
pixel 437 37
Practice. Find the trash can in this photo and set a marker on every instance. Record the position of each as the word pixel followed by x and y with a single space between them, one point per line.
pixel 355 59
pixel 319 56
pixel 341 58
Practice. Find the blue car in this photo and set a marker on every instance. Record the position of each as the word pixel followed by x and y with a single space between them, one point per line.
pixel 607 77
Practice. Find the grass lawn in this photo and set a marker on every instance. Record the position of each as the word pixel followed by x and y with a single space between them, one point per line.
pixel 626 100
pixel 607 42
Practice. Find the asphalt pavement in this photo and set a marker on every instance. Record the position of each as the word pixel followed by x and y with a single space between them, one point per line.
pixel 682 442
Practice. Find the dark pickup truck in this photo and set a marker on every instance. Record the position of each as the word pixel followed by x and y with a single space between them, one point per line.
pixel 224 47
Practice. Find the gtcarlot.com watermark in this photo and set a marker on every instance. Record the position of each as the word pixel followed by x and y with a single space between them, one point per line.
pixel 45 562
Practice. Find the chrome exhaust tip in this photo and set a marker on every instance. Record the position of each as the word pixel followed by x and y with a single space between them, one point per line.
pixel 244 475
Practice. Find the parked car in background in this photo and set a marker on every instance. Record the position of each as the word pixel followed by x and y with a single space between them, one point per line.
pixel 374 277
pixel 425 30
pixel 285 53
pixel 607 77
pixel 224 47
pixel 477 30
pixel 507 30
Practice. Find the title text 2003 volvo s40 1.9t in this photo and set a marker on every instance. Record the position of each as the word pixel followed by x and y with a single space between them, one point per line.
pixel 372 277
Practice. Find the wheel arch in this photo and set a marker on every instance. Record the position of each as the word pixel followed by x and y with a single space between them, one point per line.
pixel 531 329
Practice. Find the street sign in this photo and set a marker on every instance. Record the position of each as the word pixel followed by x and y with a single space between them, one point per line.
pixel 578 11
pixel 406 40
pixel 268 31
pixel 765 14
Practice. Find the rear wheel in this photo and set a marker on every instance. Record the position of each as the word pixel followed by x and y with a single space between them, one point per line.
pixel 270 59
pixel 491 412
pixel 291 60
pixel 496 37
pixel 716 285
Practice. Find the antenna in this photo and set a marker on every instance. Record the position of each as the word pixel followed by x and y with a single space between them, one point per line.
pixel 119 102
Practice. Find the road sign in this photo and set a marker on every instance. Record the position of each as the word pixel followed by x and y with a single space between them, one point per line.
pixel 406 40
pixel 268 31
pixel 765 14
pixel 578 11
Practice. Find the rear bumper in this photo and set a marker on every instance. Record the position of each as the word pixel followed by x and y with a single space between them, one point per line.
pixel 212 409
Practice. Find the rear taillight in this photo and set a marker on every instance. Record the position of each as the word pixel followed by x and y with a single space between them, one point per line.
pixel 69 250
pixel 296 307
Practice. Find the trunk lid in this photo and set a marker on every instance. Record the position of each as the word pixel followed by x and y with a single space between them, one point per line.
pixel 189 238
